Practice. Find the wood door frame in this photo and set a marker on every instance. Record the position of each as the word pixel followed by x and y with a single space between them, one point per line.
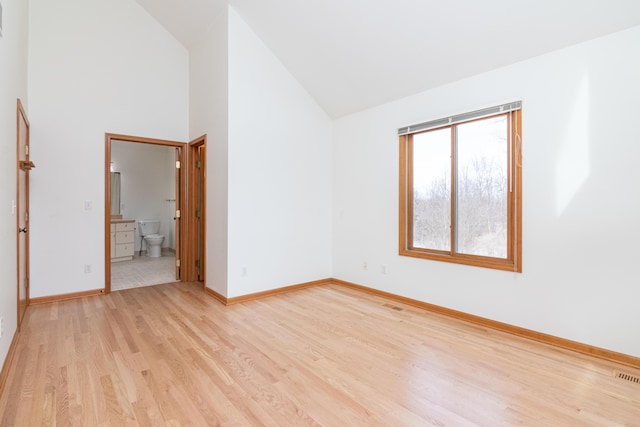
pixel 180 199
pixel 191 249
pixel 21 116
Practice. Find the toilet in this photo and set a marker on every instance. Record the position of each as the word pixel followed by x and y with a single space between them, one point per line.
pixel 149 229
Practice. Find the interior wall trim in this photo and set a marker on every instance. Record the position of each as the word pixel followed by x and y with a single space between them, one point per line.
pixel 4 373
pixel 264 294
pixel 216 295
pixel 563 343
pixel 64 297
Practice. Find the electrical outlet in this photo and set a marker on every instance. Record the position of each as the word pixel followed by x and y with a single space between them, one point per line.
pixel 243 271
pixel 88 205
pixel 87 268
pixel 365 265
pixel 383 269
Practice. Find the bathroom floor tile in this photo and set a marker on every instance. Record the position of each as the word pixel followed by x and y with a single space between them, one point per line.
pixel 143 271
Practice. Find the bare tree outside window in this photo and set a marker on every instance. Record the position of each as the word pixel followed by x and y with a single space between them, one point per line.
pixel 432 190
pixel 481 181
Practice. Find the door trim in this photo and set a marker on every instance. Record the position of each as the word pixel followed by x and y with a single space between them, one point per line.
pixel 198 236
pixel 22 166
pixel 180 192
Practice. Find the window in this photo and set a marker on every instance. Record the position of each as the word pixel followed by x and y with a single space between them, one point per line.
pixel 461 189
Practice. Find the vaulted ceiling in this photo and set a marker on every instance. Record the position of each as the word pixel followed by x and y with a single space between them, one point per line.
pixel 355 54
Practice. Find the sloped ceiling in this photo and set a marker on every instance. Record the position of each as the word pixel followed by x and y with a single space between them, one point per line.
pixel 355 54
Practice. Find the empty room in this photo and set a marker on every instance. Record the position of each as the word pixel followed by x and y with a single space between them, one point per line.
pixel 333 213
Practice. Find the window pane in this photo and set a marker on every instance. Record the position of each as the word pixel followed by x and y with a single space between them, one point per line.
pixel 432 190
pixel 481 187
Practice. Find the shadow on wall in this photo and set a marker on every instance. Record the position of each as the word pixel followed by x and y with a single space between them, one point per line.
pixel 573 158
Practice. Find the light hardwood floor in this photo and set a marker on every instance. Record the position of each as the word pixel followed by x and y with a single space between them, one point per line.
pixel 329 355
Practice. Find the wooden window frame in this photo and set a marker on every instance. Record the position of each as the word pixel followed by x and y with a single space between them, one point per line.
pixel 513 261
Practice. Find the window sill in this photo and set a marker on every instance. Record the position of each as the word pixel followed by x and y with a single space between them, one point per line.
pixel 472 260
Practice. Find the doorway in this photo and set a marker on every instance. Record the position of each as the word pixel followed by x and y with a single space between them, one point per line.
pixel 22 218
pixel 123 240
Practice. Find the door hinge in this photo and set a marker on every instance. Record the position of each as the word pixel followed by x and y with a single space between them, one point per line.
pixel 178 213
pixel 26 165
pixel 26 150
pixel 26 217
pixel 198 263
pixel 178 263
pixel 177 164
pixel 26 283
pixel 198 164
pixel 198 213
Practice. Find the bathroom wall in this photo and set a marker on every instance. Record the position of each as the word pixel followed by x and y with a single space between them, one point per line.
pixel 13 85
pixel 95 66
pixel 147 174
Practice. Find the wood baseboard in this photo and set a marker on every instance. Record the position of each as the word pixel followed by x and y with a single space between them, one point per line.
pixel 4 373
pixel 63 297
pixel 216 295
pixel 264 294
pixel 566 344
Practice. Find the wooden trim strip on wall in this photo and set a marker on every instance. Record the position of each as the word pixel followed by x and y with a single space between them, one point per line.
pixel 216 295
pixel 64 297
pixel 563 343
pixel 277 291
pixel 264 294
pixel 4 373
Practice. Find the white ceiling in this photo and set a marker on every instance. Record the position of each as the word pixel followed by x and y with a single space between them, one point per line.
pixel 354 54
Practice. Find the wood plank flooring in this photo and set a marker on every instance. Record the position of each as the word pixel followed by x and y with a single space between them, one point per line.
pixel 330 356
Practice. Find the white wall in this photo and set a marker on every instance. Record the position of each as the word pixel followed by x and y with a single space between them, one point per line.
pixel 208 68
pixel 13 85
pixel 95 66
pixel 279 172
pixel 99 66
pixel 147 174
pixel 580 209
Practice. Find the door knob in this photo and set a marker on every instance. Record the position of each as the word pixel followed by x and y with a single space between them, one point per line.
pixel 23 230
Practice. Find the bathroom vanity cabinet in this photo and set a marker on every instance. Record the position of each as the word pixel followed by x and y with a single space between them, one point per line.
pixel 122 232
